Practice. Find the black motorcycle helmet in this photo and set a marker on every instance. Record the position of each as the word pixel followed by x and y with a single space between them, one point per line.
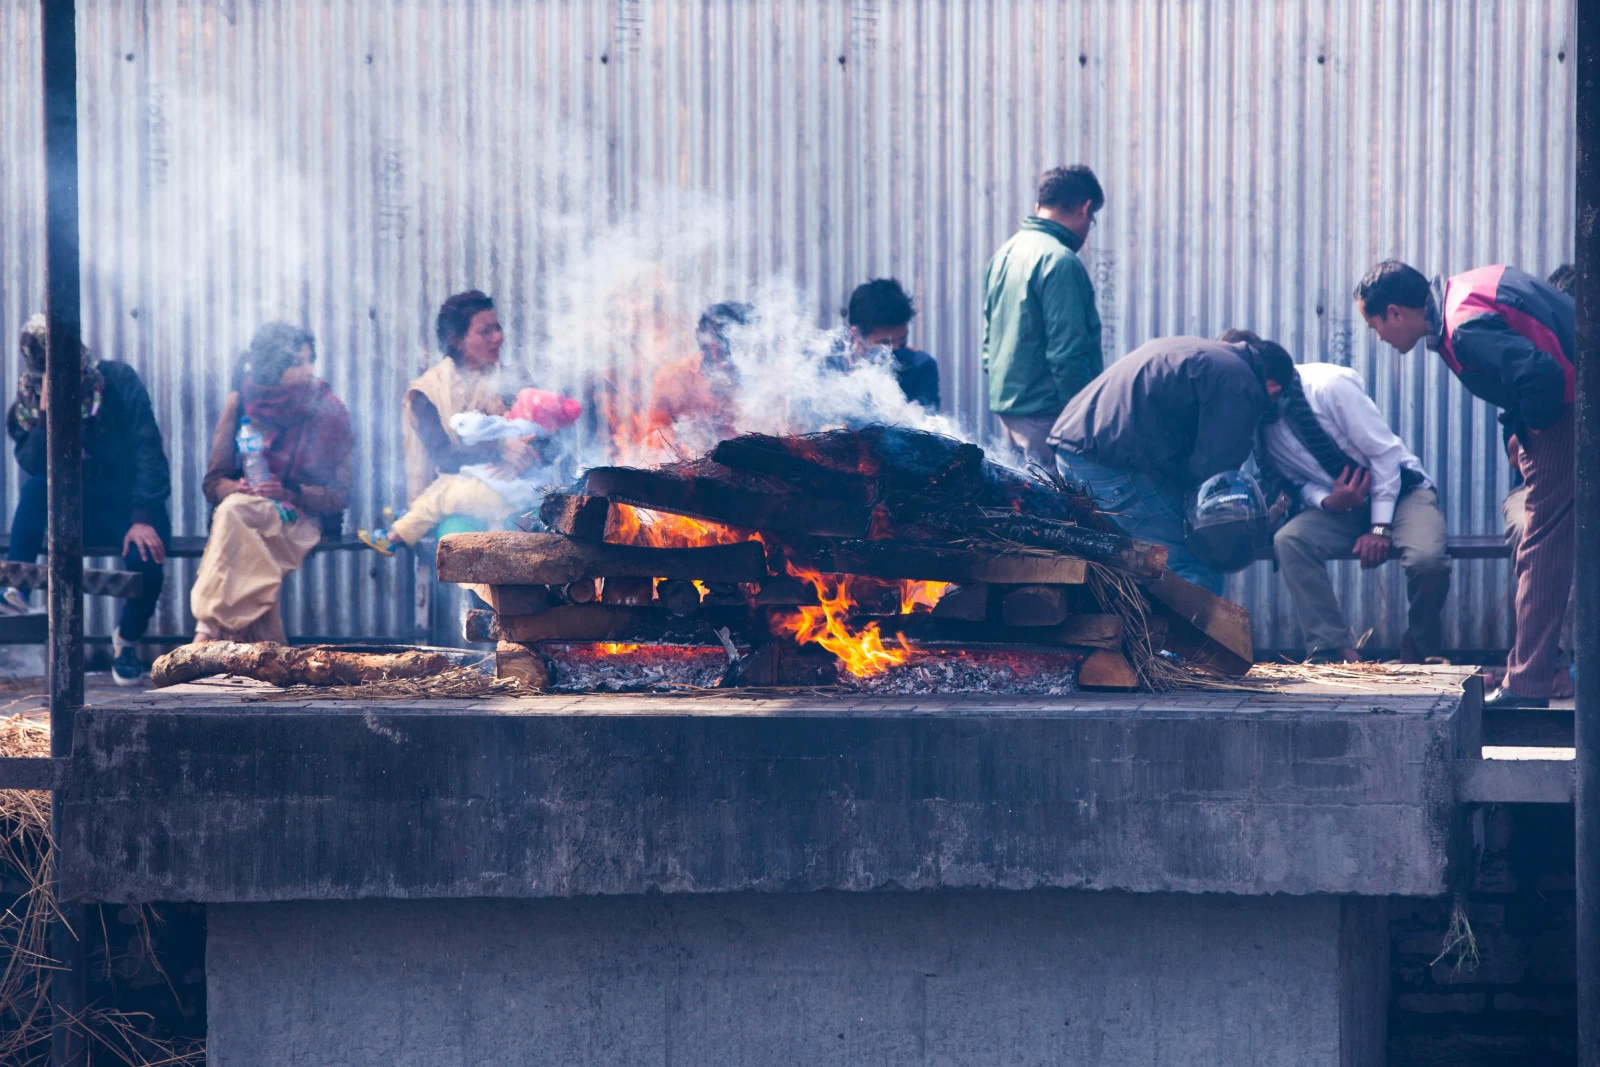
pixel 1225 524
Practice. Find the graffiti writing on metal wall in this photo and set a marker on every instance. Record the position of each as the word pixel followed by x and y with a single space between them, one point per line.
pixel 1103 270
pixel 393 212
pixel 158 136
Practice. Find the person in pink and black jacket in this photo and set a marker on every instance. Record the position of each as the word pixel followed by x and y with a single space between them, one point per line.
pixel 1511 338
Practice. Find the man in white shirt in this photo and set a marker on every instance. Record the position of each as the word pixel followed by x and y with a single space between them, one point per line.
pixel 1351 486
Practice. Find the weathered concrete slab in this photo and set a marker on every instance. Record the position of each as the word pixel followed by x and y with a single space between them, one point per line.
pixel 203 797
pixel 948 978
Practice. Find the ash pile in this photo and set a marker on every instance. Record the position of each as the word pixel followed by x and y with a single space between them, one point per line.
pixel 882 560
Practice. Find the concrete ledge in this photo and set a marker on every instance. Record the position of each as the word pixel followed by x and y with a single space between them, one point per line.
pixel 1516 781
pixel 821 979
pixel 580 796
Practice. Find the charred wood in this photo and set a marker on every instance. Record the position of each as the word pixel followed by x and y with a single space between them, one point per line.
pixel 582 518
pixel 965 603
pixel 714 501
pixel 570 622
pixel 1084 631
pixel 1142 558
pixel 1034 605
pixel 516 558
pixel 782 663
pixel 895 560
pixel 678 596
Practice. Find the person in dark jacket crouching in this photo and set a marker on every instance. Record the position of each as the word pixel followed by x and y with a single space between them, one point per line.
pixel 1161 420
pixel 1511 339
pixel 126 483
pixel 879 317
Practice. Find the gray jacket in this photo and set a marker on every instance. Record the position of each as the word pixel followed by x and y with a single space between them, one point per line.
pixel 1179 409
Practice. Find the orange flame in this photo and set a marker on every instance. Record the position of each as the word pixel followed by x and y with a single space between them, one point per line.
pixel 662 529
pixel 862 652
pixel 924 595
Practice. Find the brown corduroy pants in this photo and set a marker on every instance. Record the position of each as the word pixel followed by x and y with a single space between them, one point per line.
pixel 1545 557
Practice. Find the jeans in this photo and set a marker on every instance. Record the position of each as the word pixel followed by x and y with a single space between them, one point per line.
pixel 102 525
pixel 1141 507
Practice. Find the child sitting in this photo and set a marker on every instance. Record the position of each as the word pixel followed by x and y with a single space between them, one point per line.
pixel 488 492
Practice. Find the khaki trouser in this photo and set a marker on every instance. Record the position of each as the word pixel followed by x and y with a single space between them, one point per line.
pixel 1515 512
pixel 251 548
pixel 1545 556
pixel 1307 541
pixel 449 494
pixel 1029 435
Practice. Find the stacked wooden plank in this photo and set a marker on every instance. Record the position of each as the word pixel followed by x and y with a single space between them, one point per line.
pixel 880 504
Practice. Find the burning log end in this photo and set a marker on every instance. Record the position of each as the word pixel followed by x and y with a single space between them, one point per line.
pixel 582 518
pixel 678 596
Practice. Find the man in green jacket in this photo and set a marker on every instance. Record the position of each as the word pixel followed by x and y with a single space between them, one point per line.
pixel 1041 332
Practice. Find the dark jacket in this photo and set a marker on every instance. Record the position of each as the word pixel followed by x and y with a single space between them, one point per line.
pixel 124 462
pixel 1041 332
pixel 1177 408
pixel 1511 338
pixel 918 375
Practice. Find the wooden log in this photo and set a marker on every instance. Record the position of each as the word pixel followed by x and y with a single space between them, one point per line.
pixel 782 663
pixel 786 592
pixel 628 592
pixel 1203 627
pixel 1107 668
pixel 569 622
pixel 521 664
pixel 1034 605
pixel 582 591
pixel 282 665
pixel 894 560
pixel 511 557
pixel 1143 558
pixel 723 595
pixel 706 498
pixel 678 596
pixel 517 599
pixel 1083 631
pixel 582 518
pixel 767 455
pixel 964 603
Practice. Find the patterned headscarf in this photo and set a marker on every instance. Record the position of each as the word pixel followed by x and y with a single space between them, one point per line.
pixel 30 385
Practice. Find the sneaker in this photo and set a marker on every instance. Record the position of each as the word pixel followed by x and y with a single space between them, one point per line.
pixel 14 602
pixel 127 668
pixel 377 540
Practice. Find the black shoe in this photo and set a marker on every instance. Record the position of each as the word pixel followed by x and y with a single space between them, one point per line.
pixel 1503 699
pixel 127 669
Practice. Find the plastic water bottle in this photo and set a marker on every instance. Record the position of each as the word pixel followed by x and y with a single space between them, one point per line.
pixel 252 453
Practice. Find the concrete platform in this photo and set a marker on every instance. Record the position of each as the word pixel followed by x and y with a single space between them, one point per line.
pixel 755 878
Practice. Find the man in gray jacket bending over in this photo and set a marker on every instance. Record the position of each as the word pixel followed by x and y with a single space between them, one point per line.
pixel 1351 485
pixel 1160 421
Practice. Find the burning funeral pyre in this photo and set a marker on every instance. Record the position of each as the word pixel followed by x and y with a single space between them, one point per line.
pixel 884 560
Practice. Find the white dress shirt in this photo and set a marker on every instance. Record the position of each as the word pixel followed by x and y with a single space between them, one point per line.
pixel 1339 400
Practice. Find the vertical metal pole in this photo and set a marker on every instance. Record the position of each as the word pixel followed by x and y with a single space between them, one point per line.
pixel 1588 515
pixel 64 428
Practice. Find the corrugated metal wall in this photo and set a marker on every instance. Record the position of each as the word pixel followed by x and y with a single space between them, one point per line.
pixel 349 165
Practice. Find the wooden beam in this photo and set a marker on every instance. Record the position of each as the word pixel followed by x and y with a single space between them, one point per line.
pixel 582 518
pixel 965 603
pixel 1034 605
pixel 896 560
pixel 521 664
pixel 569 622
pixel 925 628
pixel 714 501
pixel 678 597
pixel 511 557
pixel 767 455
pixel 1203 627
pixel 1107 669
pixel 517 599
pixel 630 592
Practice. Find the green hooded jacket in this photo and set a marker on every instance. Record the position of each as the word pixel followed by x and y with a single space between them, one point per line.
pixel 1041 332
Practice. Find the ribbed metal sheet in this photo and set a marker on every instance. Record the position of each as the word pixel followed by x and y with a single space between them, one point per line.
pixel 349 165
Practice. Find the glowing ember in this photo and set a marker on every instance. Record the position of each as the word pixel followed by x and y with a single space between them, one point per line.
pixel 862 652
pixel 660 529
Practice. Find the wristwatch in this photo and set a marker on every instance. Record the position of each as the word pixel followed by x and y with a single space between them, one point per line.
pixel 1382 529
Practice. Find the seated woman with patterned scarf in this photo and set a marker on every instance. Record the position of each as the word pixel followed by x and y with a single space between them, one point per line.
pixel 261 532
